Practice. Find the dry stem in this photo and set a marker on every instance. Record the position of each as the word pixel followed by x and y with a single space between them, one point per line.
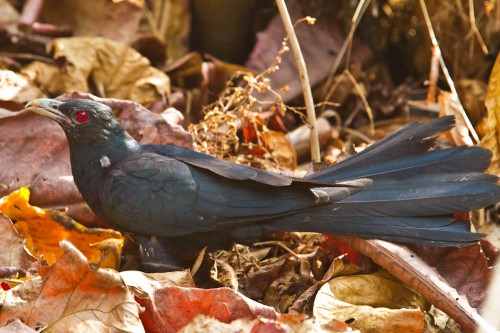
pixel 446 73
pixel 304 80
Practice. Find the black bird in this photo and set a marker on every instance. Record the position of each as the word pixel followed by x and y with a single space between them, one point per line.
pixel 394 190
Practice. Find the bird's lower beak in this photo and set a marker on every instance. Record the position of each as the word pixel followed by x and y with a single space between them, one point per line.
pixel 46 107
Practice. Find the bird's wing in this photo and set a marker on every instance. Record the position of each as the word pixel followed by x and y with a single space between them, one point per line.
pixel 174 198
pixel 241 172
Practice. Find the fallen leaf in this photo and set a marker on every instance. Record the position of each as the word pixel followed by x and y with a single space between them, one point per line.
pixel 422 277
pixel 16 326
pixel 14 254
pixel 101 66
pixel 36 146
pixel 43 230
pixel 70 296
pixel 492 138
pixel 169 308
pixel 17 88
pixel 371 303
pixel 320 45
pixel 283 324
pixel 449 105
pixel 116 20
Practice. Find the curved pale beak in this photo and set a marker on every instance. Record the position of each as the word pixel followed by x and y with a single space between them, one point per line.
pixel 46 107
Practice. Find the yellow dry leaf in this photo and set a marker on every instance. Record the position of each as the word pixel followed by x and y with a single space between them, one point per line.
pixel 492 138
pixel 44 229
pixel 103 67
pixel 371 303
pixel 17 87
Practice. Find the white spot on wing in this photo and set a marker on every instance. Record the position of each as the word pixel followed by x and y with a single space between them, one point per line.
pixel 105 161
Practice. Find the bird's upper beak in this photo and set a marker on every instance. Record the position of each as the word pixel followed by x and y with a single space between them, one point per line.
pixel 47 107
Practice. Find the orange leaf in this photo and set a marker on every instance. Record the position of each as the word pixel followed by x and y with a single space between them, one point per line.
pixel 43 229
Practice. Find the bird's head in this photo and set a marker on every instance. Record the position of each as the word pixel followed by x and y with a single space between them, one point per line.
pixel 85 122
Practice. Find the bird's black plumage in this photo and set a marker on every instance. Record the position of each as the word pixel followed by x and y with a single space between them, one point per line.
pixel 395 190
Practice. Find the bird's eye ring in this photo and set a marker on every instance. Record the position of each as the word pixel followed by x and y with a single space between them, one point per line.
pixel 81 116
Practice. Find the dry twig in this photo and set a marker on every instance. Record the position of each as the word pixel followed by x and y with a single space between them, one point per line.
pixel 304 80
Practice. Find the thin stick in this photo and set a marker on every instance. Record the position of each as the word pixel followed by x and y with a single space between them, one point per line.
pixel 447 75
pixel 304 80
pixel 360 10
pixel 472 19
pixel 433 77
pixel 363 99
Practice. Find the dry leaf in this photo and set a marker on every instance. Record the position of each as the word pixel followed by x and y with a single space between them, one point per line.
pixel 422 277
pixel 71 297
pixel 449 105
pixel 17 88
pixel 287 323
pixel 372 303
pixel 116 20
pixel 12 248
pixel 319 43
pixel 169 308
pixel 33 150
pixel 103 67
pixel 492 138
pixel 44 229
pixel 16 326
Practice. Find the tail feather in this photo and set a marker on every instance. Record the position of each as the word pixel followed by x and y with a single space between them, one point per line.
pixel 435 231
pixel 382 157
pixel 452 160
pixel 424 195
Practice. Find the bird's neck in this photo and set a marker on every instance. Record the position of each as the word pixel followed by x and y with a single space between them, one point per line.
pixel 92 162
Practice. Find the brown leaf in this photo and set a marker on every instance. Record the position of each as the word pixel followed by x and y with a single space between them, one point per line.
pixel 449 105
pixel 169 308
pixel 407 266
pixel 17 88
pixel 492 138
pixel 12 247
pixel 102 66
pixel 319 43
pixel 34 151
pixel 16 326
pixel 71 294
pixel 117 20
pixel 373 302
pixel 284 324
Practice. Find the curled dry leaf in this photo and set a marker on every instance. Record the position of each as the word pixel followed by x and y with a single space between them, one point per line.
pixel 289 323
pixel 33 150
pixel 70 294
pixel 12 248
pixel 16 326
pixel 371 303
pixel 422 277
pixel 43 229
pixel 116 20
pixel 492 138
pixel 102 66
pixel 449 105
pixel 168 308
pixel 319 43
pixel 17 88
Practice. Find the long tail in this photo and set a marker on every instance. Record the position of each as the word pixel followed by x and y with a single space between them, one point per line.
pixel 414 194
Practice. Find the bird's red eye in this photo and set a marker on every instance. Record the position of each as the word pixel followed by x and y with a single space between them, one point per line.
pixel 81 116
